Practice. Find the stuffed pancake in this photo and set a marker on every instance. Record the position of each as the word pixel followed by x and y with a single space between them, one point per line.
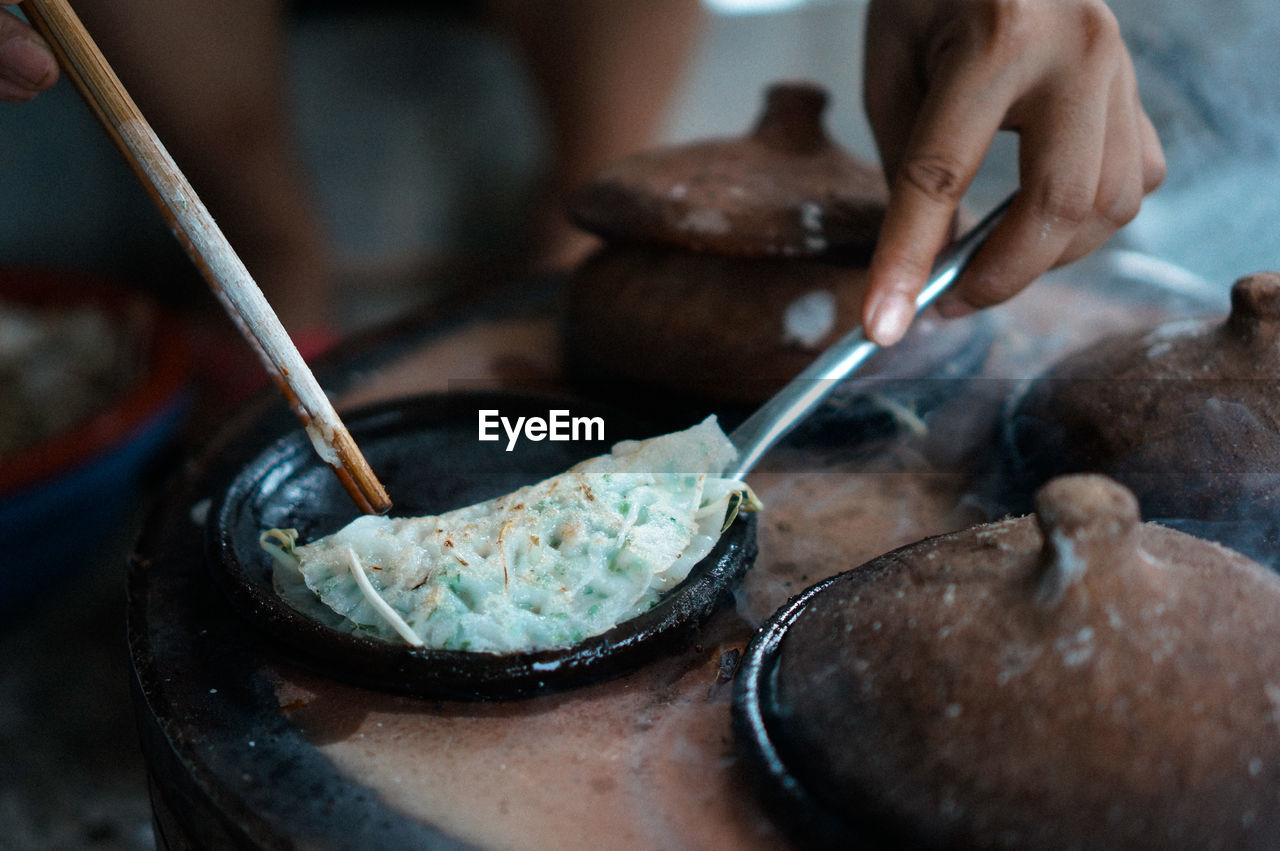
pixel 541 568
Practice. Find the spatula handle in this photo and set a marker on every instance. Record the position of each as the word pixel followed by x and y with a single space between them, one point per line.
pixel 790 405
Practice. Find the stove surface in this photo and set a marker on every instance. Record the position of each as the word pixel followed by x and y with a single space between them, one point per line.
pixel 244 743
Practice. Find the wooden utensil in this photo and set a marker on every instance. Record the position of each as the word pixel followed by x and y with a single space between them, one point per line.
pixel 205 244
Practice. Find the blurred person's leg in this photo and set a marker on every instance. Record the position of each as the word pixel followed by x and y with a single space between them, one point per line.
pixel 607 71
pixel 210 77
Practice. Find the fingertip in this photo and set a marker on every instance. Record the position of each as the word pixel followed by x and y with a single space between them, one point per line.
pixel 13 93
pixel 27 62
pixel 887 317
pixel 1154 166
pixel 999 271
pixel 950 305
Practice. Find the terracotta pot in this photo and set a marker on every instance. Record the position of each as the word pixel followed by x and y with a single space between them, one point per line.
pixel 728 263
pixel 704 325
pixel 1186 414
pixel 1073 679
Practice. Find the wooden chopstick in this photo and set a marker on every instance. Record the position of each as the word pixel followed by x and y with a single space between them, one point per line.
pixel 205 244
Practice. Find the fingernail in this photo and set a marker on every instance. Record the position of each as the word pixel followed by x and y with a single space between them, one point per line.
pixel 888 318
pixel 27 61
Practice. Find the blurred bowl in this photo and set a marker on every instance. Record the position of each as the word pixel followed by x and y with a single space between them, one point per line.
pixel 67 496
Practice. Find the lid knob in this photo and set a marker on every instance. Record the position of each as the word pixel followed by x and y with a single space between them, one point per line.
pixel 1086 520
pixel 792 118
pixel 1255 307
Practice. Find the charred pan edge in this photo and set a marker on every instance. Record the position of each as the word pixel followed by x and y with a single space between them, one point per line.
pixel 786 799
pixel 793 806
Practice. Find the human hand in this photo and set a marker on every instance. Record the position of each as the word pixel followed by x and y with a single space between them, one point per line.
pixel 942 77
pixel 27 66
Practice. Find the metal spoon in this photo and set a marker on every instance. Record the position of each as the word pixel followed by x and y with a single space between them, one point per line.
pixel 790 405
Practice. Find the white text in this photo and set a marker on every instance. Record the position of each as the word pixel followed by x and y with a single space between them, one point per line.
pixel 558 425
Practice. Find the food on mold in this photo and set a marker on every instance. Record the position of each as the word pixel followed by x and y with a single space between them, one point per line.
pixel 541 568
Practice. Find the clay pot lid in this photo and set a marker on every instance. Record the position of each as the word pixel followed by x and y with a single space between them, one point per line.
pixel 1244 345
pixel 1187 414
pixel 1066 679
pixel 785 189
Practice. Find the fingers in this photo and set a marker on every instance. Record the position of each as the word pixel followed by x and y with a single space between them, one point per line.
pixel 1123 180
pixel 949 136
pixel 1061 164
pixel 27 66
pixel 1154 167
pixel 1054 71
pixel 892 89
pixel 1049 227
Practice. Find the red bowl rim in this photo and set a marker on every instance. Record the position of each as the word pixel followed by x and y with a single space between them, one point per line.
pixel 166 371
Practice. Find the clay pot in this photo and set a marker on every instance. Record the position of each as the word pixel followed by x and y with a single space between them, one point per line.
pixel 729 264
pixel 706 326
pixel 1072 679
pixel 1187 414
